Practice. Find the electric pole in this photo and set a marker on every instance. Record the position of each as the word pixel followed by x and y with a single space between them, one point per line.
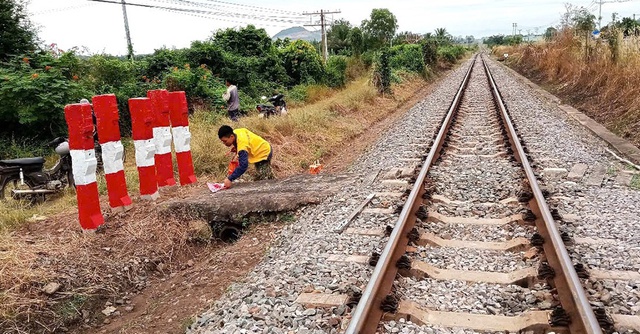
pixel 126 30
pixel 515 27
pixel 322 13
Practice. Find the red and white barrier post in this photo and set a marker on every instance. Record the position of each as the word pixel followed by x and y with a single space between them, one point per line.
pixel 162 136
pixel 106 110
pixel 179 113
pixel 142 133
pixel 84 163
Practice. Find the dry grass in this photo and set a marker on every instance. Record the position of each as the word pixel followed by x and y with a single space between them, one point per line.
pixel 306 134
pixel 605 90
pixel 90 267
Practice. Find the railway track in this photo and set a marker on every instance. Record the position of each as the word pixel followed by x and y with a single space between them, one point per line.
pixel 477 219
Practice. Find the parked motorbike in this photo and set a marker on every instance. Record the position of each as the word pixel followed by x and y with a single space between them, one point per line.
pixel 27 179
pixel 277 107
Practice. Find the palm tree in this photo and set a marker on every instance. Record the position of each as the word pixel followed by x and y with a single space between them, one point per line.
pixel 442 36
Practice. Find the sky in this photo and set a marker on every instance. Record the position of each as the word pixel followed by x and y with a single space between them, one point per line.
pixel 96 27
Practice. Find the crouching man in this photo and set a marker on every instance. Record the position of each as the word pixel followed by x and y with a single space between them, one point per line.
pixel 250 148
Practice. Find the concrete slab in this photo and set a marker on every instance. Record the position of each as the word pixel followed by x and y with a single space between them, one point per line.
pixel 577 172
pixel 311 300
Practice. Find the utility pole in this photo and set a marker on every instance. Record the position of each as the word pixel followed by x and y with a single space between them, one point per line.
pixel 600 16
pixel 322 13
pixel 515 28
pixel 126 30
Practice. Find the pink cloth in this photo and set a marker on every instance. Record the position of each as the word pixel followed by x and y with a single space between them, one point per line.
pixel 215 187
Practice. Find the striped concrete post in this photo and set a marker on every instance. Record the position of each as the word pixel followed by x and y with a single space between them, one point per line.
pixel 84 163
pixel 181 136
pixel 162 136
pixel 142 133
pixel 106 110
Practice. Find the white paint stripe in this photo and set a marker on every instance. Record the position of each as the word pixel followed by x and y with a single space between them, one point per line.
pixel 181 139
pixel 162 139
pixel 112 153
pixel 145 152
pixel 84 165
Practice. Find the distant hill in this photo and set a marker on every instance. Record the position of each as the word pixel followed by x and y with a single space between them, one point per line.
pixel 297 33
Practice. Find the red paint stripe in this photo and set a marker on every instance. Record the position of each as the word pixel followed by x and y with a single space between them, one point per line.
pixel 164 170
pixel 185 168
pixel 89 211
pixel 117 189
pixel 148 182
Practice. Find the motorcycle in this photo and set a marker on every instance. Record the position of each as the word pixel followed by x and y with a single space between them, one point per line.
pixel 278 106
pixel 27 179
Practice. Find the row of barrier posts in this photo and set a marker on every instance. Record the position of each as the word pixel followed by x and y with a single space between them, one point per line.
pixel 153 121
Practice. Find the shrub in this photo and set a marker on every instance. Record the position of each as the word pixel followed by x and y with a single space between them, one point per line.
pixel 198 83
pixel 34 91
pixel 336 71
pixel 162 60
pixel 429 51
pixel 302 63
pixel 382 73
pixel 451 53
pixel 407 57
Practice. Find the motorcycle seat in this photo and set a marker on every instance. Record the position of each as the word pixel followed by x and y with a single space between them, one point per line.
pixel 23 162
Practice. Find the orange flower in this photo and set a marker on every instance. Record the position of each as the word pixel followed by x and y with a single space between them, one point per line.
pixel 144 77
pixel 46 68
pixel 187 66
pixel 203 66
pixel 34 75
pixel 26 60
pixel 75 77
pixel 175 68
pixel 204 77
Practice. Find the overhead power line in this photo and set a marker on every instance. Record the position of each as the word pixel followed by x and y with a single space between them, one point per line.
pixel 61 9
pixel 199 6
pixel 207 12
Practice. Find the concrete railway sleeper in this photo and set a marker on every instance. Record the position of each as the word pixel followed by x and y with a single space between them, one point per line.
pixel 477 217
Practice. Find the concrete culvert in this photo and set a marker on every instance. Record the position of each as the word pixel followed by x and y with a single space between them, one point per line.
pixel 226 231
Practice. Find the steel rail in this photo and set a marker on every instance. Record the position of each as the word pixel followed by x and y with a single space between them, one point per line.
pixel 367 315
pixel 568 285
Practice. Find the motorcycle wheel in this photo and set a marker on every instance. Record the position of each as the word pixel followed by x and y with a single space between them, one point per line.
pixel 70 181
pixel 14 183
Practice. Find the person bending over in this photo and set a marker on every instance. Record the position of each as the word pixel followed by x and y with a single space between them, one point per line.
pixel 250 148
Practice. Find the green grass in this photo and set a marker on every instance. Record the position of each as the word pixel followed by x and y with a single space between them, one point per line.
pixel 635 182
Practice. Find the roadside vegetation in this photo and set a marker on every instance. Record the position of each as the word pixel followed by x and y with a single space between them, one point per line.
pixel 372 70
pixel 600 76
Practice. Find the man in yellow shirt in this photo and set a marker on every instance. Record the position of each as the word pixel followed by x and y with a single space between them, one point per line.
pixel 251 148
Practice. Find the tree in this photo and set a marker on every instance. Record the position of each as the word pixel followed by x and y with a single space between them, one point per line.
pixel 17 35
pixel 380 28
pixel 470 39
pixel 584 22
pixel 406 37
pixel 356 40
pixel 550 33
pixel 630 27
pixel 442 36
pixel 247 41
pixel 338 37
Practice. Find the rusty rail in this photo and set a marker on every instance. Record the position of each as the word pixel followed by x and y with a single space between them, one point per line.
pixel 367 315
pixel 570 291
